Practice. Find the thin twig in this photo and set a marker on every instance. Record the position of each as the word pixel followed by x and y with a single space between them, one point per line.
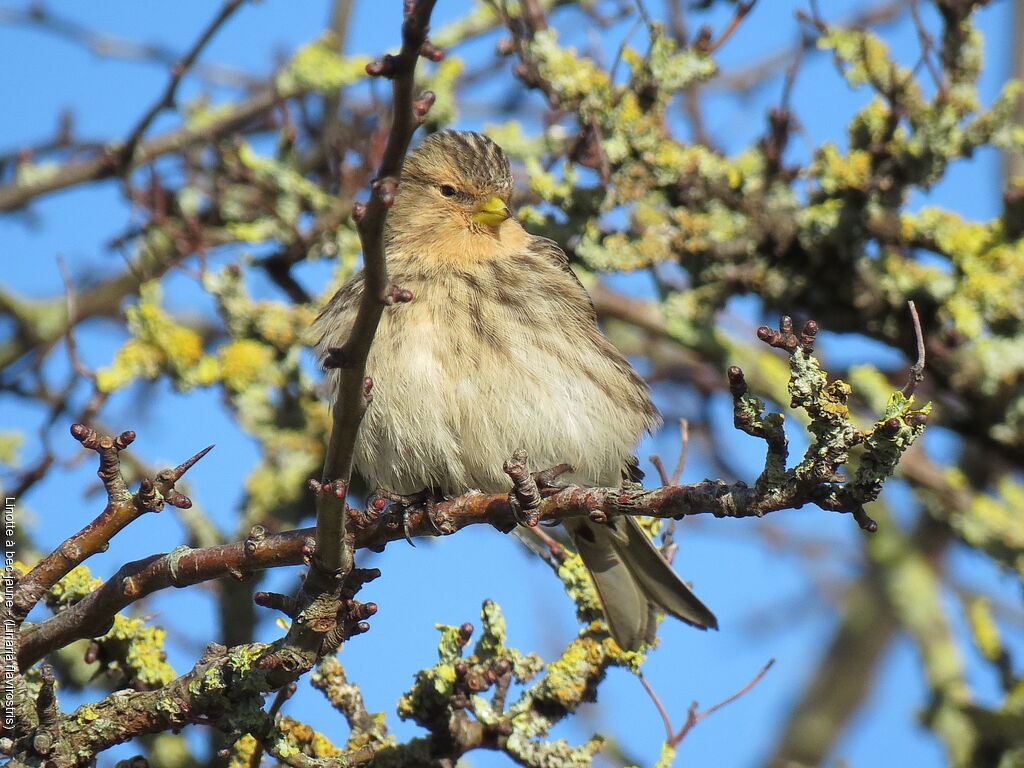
pixel 555 553
pixel 684 444
pixel 741 12
pixel 916 375
pixel 338 24
pixel 927 45
pixel 693 717
pixel 622 48
pixel 178 70
pixel 806 43
pixel 665 719
pixel 660 466
pixel 69 330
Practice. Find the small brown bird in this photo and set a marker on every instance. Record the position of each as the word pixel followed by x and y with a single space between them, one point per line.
pixel 499 350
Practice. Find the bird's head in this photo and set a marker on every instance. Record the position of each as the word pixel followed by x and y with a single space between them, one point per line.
pixel 454 190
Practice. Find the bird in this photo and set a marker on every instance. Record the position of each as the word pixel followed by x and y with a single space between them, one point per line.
pixel 500 351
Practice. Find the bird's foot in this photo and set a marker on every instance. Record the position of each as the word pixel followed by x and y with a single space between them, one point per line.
pixel 424 501
pixel 529 489
pixel 545 479
pixel 547 486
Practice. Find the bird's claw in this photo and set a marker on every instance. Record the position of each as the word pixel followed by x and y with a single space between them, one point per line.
pixel 530 488
pixel 425 500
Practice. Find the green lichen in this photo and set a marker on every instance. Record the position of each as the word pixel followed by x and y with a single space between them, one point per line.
pixel 139 650
pixel 78 583
pixel 884 444
pixel 318 67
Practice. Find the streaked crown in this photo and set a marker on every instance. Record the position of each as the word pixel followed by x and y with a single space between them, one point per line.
pixel 471 156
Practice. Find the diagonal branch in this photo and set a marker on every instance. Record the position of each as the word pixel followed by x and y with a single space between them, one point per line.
pixel 123 507
pixel 93 615
pixel 105 164
pixel 178 70
pixel 106 45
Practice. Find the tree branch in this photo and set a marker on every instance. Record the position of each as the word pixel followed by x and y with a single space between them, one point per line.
pixel 106 45
pixel 334 552
pixel 105 164
pixel 814 480
pixel 93 615
pixel 178 70
pixel 122 508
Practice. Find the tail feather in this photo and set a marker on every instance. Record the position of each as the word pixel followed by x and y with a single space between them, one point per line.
pixel 659 583
pixel 633 579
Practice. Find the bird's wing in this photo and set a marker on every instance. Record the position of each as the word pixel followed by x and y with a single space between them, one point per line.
pixel 549 251
pixel 331 327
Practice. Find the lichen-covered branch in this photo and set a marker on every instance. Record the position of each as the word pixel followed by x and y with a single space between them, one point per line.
pixel 815 480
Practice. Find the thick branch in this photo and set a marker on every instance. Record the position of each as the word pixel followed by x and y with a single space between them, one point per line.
pixel 333 555
pixel 93 615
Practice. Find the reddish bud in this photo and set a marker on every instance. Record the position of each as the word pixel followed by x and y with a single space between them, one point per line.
pixel 384 67
pixel 916 419
pixel 423 104
pixel 430 51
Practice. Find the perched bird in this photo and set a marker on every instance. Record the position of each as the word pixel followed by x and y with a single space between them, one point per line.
pixel 499 350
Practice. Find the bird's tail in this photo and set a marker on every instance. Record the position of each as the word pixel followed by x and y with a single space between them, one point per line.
pixel 633 580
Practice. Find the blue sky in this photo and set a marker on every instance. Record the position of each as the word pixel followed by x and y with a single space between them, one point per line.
pixel 768 603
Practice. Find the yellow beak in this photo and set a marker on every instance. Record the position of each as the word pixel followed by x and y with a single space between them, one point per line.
pixel 492 212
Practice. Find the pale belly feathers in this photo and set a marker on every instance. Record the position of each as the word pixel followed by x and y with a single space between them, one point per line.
pixel 449 407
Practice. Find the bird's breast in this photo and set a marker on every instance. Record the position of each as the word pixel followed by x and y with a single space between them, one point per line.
pixel 476 367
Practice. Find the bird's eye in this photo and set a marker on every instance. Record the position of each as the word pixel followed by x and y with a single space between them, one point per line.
pixel 448 190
